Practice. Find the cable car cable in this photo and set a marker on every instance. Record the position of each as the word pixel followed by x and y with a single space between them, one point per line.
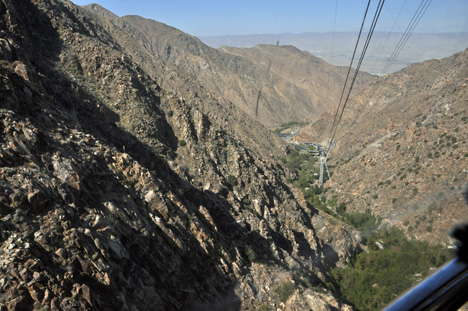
pixel 347 75
pixel 388 36
pixel 409 30
pixel 366 45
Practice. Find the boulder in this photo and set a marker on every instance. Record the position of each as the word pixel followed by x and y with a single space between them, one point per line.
pixel 37 198
pixel 23 71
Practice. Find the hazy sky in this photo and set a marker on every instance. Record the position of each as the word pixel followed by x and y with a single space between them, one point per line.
pixel 205 18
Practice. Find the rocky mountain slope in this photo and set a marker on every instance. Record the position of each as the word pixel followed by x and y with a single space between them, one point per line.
pixel 127 185
pixel 294 85
pixel 402 147
pixel 299 79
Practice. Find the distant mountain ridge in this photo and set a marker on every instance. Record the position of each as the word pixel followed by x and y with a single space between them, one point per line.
pixel 301 94
pixel 309 85
pixel 420 46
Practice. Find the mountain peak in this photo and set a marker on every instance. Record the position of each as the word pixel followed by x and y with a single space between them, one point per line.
pixel 100 10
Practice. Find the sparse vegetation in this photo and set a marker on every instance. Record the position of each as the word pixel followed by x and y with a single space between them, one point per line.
pixel 246 202
pixel 251 254
pixel 58 228
pixel 232 180
pixel 365 222
pixel 341 209
pixel 301 163
pixel 287 125
pixel 285 290
pixel 432 206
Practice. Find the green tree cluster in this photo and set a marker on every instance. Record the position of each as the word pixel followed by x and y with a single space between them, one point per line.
pixel 365 222
pixel 373 279
pixel 284 290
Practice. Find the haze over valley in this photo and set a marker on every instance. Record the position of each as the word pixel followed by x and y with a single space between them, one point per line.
pixel 420 46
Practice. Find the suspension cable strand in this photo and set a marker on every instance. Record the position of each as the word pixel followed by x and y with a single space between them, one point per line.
pixel 347 75
pixel 371 32
pixel 409 30
pixel 424 8
pixel 404 37
pixel 388 36
pixel 412 29
pixel 331 55
pixel 369 36
pixel 366 45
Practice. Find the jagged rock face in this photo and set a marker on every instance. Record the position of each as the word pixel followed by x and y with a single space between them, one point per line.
pixel 402 147
pixel 294 85
pixel 120 191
